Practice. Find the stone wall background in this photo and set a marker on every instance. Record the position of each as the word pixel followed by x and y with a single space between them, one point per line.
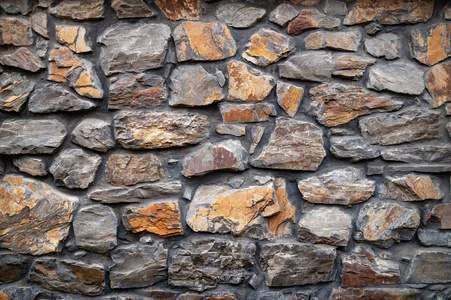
pixel 225 150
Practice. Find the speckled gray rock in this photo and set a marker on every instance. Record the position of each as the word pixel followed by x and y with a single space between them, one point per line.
pixel 401 77
pixel 14 91
pixel 39 23
pixel 22 58
pixel 94 134
pixel 309 66
pixel 78 9
pixel 430 266
pixel 74 168
pixel 386 45
pixel 425 153
pixel 239 15
pixel 434 237
pixel 354 148
pixel 132 9
pixel 31 165
pixel 284 13
pixel 17 6
pixel 129 169
pixel 95 228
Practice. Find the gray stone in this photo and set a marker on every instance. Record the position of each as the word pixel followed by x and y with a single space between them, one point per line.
pixel 31 165
pixel 17 6
pixel 239 15
pixel 447 13
pixel 144 47
pixel 283 14
pixel 78 9
pixel 335 8
pixel 257 134
pixel 386 45
pixel 230 129
pixel 201 264
pixel 13 267
pixel 22 58
pixel 45 3
pixel 132 9
pixel 310 66
pixel 404 78
pixel 129 169
pixel 426 153
pixel 15 31
pixel 41 46
pixel 375 169
pixel 94 134
pixel 373 28
pixel 138 265
pixel 430 266
pixel 52 97
pixel 342 41
pixel 351 66
pixel 434 237
pixel 20 136
pixel 410 188
pixel 14 91
pixel 95 228
pixel 448 128
pixel 410 125
pixel 429 168
pixel 290 264
pixel 311 19
pixel 39 23
pixel 74 168
pixel 354 148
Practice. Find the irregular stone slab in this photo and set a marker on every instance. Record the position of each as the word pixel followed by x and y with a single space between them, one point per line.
pixel 128 169
pixel 410 188
pixel 15 31
pixel 383 223
pixel 267 46
pixel 145 47
pixel 351 67
pixel 179 9
pixel 280 223
pixel 404 78
pixel 193 86
pixel 290 264
pixel 22 58
pixel 239 15
pixel 95 228
pixel 78 9
pixel 62 59
pixel 293 145
pixel 74 168
pixel 84 80
pixel 284 13
pixel 35 217
pixel 390 129
pixel 52 97
pixel 137 193
pixel 434 237
pixel 305 2
pixel 325 225
pixel 363 268
pixel 388 12
pixel 224 155
pixel 68 276
pixel 31 165
pixel 309 66
pixel 14 91
pixel 131 9
pixel 20 136
pixel 200 41
pixel 39 23
pixel 214 296
pixel 311 19
pixel 430 266
pixel 344 41
pixel 438 83
pixel 334 104
pixel 354 148
pixel 13 293
pixel 427 153
pixel 221 209
pixel 375 293
pixel 229 129
pixel 201 264
pixel 386 45
pixel 154 130
pixel 136 91
pixel 373 28
pixel 246 113
pixel 13 267
pixel 424 168
pixel 94 134
pixel 74 37
pixel 138 265
pixel 161 218
pixel 17 6
pixel 443 213
pixel 432 44
pixel 248 84
pixel 289 97
pixel 257 133
pixel 343 187
pixel 335 8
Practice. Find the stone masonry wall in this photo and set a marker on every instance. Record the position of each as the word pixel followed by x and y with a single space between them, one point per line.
pixel 221 150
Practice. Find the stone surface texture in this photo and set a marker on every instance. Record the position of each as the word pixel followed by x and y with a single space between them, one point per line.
pixel 14 91
pixel 129 169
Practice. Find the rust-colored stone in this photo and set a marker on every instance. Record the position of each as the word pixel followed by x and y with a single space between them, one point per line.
pixel 74 37
pixel 289 97
pixel 310 19
pixel 15 31
pixel 61 60
pixel 410 188
pixel 247 113
pixel 438 83
pixel 128 169
pixel 280 224
pixel 375 294
pixel 179 9
pixel 431 45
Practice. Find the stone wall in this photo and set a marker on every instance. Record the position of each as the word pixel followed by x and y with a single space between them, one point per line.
pixel 219 150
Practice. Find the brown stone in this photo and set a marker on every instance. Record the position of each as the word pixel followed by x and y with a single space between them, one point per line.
pixel 200 41
pixel 289 97
pixel 131 9
pixel 443 213
pixel 128 169
pixel 78 9
pixel 13 267
pixel 61 61
pixel 343 186
pixel 351 67
pixel 345 41
pixel 310 19
pixel 389 12
pixel 431 45
pixel 15 31
pixel 410 188
pixel 161 218
pixel 31 165
pixel 14 91
pixel 375 294
pixel 74 37
pixel 438 83
pixel 246 113
pixel 293 145
pixel 179 9
pixel 280 223
pixel 22 58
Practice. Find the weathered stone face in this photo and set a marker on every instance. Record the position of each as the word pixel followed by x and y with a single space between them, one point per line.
pixel 179 9
pixel 129 169
pixel 230 129
pixel 410 188
pixel 354 148
pixel 14 91
pixel 39 23
pixel 246 113
pixel 308 66
pixel 257 134
pixel 283 14
pixel 431 45
pixel 15 31
pixel 78 9
pixel 425 153
pixel 84 80
pixel 434 237
pixel 311 19
pixel 62 59
pixel 17 6
pixel 31 165
pixel 443 213
pixel 74 37
pixel 438 83
pixel 289 97
pixel 280 223
pixel 239 15
pixel 351 67
pixel 131 9
pixel 384 45
pixel 13 267
pixel 375 293
pixel 345 41
pixel 22 58
pixel 94 134
pixel 430 266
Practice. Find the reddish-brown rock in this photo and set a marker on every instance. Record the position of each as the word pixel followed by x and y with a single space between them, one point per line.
pixel 375 294
pixel 431 45
pixel 443 213
pixel 289 97
pixel 128 169
pixel 15 31
pixel 438 83
pixel 310 19
pixel 280 223
pixel 345 41
pixel 410 188
pixel 246 113
pixel 179 9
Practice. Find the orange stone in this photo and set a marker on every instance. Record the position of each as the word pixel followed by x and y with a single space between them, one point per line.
pixel 289 97
pixel 431 45
pixel 280 224
pixel 61 61
pixel 247 113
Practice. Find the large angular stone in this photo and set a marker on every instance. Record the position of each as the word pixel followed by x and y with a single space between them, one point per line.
pixel 386 45
pixel 410 125
pixel 438 83
pixel 280 223
pixel 390 12
pixel 52 97
pixel 193 86
pixel 354 148
pixel 351 67
pixel 15 31
pixel 153 130
pixel 221 209
pixel 131 9
pixel 224 155
pixel 129 169
pixel 22 58
pixel 345 41
pixel 13 267
pixel 375 294
pixel 434 237
pixel 284 13
pixel 443 213
pixel 289 97
pixel 20 136
pixel 75 168
pixel 14 91
pixel 133 47
pixel 161 218
pixel 246 113
pixel 334 104
pixel 362 267
pixel 343 187
pixel 289 264
pixel 239 15
pixel 94 134
pixel 138 265
pixel 84 80
pixel 200 41
pixel 383 223
pixel 308 66
pixel 31 165
pixel 95 228
pixel 432 44
pixel 39 23
pixel 179 9
pixel 68 276
pixel 430 266
pixel 293 145
pixel 61 59
pixel 17 6
pixel 74 37
pixel 424 154
pixel 35 217
pixel 78 9
pixel 311 19
pixel 410 188
pixel 201 264
pixel 136 91
pixel 404 78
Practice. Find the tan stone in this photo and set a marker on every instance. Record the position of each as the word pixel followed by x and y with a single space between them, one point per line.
pixel 128 169
pixel 84 80
pixel 246 113
pixel 15 31
pixel 179 9
pixel 431 45
pixel 351 67
pixel 310 19
pixel 345 41
pixel 61 61
pixel 438 83
pixel 289 97
pixel 410 188
pixel 74 37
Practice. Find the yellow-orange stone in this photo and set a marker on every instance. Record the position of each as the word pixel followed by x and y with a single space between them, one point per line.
pixel 279 224
pixel 73 37
pixel 430 46
pixel 423 187
pixel 179 9
pixel 289 97
pixel 61 61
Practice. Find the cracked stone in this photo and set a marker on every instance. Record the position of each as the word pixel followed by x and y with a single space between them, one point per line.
pixel 386 45
pixel 432 44
pixel 14 91
pixel 129 169
pixel 410 188
pixel 61 59
pixel 443 213
pixel 257 134
pixel 354 148
pixel 39 23
pixel 73 37
pixel 289 97
pixel 132 9
pixel 344 41
pixel 179 9
pixel 78 9
pixel 438 83
pixel 15 31
pixel 22 58
pixel 84 80
pixel 94 134
pixel 246 113
pixel 351 67
pixel 283 14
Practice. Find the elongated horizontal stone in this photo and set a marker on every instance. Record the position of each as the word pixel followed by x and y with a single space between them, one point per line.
pixel 128 169
pixel 438 83
pixel 432 44
pixel 375 293
pixel 310 19
pixel 430 266
pixel 153 130
pixel 384 45
pixel 13 267
pixel 351 66
pixel 17 6
pixel 93 134
pixel 434 237
pixel 246 113
pixel 22 58
pixel 284 13
pixel 14 91
pixel 239 15
pixel 404 78
pixel 78 9
pixel 131 9
pixel 354 148
pixel 410 188
pixel 309 66
pixel 289 97
pixel 431 153
pixel 179 10
pixel 31 165
pixel 345 41
pixel 15 31
pixel 230 129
